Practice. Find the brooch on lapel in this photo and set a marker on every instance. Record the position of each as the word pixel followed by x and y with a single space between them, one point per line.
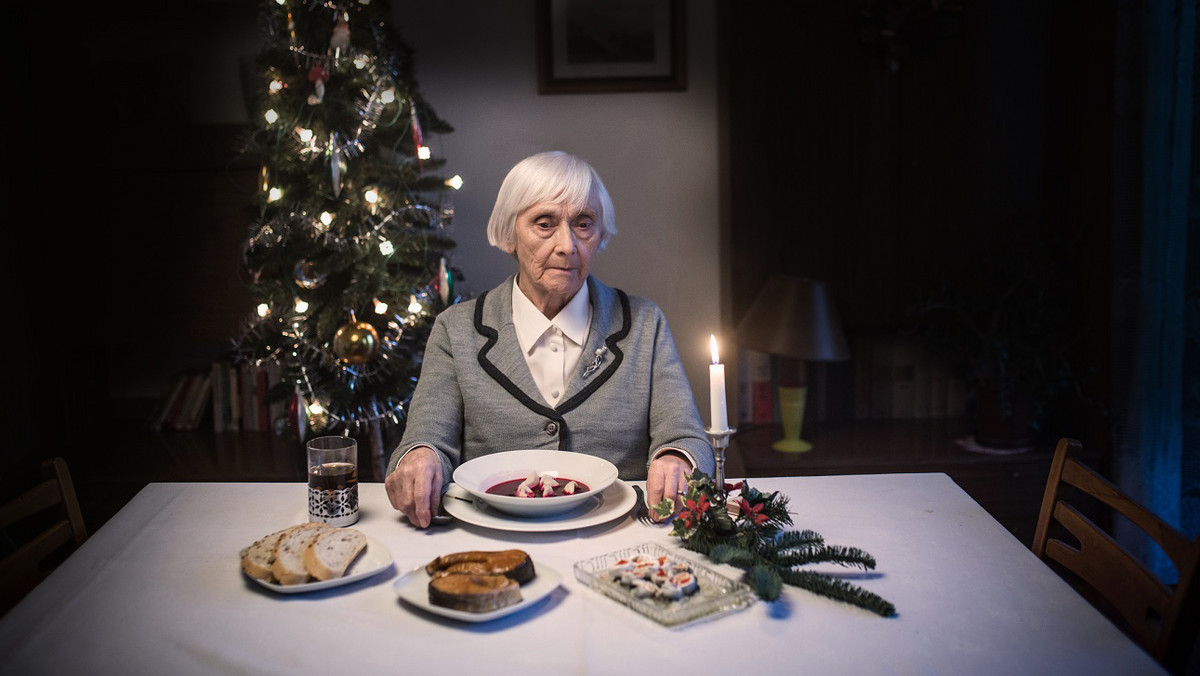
pixel 595 362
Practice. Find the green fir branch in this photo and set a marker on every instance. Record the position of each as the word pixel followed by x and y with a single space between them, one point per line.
pixel 734 556
pixel 847 556
pixel 766 581
pixel 839 590
pixel 769 556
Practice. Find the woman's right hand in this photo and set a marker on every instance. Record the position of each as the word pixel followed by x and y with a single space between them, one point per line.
pixel 415 486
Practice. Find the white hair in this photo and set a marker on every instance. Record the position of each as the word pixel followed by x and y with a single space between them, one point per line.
pixel 555 177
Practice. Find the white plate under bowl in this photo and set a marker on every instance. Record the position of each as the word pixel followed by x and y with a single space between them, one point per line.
pixel 413 588
pixel 612 503
pixel 477 475
pixel 373 559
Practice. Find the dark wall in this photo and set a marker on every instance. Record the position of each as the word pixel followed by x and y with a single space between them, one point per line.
pixel 975 139
pixel 123 265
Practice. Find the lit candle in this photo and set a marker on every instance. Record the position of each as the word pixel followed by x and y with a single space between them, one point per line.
pixel 716 389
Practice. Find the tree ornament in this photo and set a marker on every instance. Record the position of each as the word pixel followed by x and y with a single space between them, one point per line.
pixel 356 342
pixel 417 137
pixel 308 276
pixel 282 425
pixel 444 283
pixel 337 163
pixel 339 42
pixel 318 76
pixel 319 422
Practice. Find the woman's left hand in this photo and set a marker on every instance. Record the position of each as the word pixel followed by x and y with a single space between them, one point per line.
pixel 667 478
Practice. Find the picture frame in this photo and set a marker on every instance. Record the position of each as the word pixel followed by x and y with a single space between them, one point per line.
pixel 590 46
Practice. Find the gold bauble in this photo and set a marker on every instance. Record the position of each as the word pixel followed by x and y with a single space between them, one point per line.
pixel 356 343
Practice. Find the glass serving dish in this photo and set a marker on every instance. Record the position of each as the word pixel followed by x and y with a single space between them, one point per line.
pixel 717 595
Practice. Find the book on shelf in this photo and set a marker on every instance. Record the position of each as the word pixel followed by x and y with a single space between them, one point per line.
pixel 248 388
pixel 745 404
pixel 923 384
pixel 245 402
pixel 230 397
pixel 956 393
pixel 277 407
pixel 168 403
pixel 179 408
pixel 897 377
pixel 860 346
pixel 881 377
pixel 184 403
pixel 199 396
pixel 756 387
pixel 262 391
pixel 939 387
pixel 904 379
pixel 225 399
pixel 235 400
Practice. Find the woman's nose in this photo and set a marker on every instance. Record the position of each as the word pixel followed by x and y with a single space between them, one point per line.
pixel 564 238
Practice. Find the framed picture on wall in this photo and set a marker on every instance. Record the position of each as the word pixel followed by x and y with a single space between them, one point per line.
pixel 611 46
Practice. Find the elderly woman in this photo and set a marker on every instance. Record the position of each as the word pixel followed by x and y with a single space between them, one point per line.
pixel 551 358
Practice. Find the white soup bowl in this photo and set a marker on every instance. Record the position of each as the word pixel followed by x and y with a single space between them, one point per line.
pixel 477 475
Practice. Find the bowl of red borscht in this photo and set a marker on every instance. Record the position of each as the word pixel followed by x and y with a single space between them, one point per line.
pixel 535 483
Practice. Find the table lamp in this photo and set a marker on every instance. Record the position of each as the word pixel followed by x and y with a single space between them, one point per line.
pixel 794 318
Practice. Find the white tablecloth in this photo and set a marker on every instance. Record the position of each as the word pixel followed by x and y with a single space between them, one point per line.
pixel 158 590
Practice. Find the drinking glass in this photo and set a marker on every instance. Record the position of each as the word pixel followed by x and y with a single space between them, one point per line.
pixel 333 480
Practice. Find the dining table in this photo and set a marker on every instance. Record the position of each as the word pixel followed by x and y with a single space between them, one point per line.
pixel 159 590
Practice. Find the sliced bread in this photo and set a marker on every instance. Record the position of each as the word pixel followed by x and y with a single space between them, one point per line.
pixel 258 558
pixel 332 551
pixel 289 567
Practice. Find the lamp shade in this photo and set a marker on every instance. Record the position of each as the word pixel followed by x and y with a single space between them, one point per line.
pixel 794 317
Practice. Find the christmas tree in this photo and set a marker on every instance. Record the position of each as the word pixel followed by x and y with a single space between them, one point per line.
pixel 346 252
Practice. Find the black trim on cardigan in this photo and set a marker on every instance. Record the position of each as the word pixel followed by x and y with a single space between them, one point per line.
pixel 492 370
pixel 611 342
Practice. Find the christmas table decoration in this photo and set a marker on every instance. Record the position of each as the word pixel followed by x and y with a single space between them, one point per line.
pixel 745 528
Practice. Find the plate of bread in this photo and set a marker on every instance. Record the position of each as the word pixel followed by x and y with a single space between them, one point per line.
pixel 477 586
pixel 312 556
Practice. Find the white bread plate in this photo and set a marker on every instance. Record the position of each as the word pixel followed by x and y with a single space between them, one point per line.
pixel 413 588
pixel 477 475
pixel 372 560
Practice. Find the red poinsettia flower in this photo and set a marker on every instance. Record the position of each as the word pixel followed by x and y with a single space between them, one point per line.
pixel 753 512
pixel 698 506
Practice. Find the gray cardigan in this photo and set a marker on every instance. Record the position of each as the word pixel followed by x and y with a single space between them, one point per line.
pixel 628 399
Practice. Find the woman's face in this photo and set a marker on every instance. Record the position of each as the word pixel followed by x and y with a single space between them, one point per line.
pixel 554 248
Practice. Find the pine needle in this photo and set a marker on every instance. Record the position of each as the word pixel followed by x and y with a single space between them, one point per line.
pixel 839 590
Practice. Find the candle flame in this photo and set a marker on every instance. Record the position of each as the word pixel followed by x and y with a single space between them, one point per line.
pixel 712 343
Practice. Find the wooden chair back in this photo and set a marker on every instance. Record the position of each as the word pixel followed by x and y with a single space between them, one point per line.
pixel 23 569
pixel 1162 618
